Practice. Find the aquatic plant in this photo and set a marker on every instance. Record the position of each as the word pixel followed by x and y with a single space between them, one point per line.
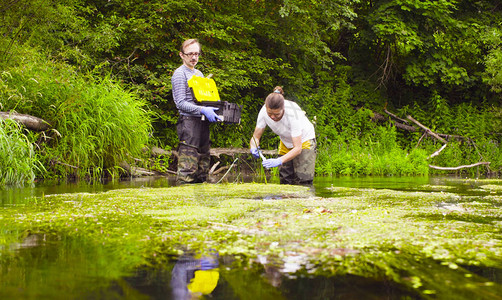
pixel 412 238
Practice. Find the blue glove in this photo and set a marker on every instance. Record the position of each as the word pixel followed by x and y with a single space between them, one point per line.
pixel 209 113
pixel 272 163
pixel 255 152
pixel 208 264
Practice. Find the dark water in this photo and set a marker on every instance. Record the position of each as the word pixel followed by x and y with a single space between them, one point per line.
pixel 12 195
pixel 461 186
pixel 72 269
pixel 69 268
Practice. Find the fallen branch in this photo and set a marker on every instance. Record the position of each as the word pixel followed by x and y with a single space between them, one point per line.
pixel 421 138
pixel 438 136
pixel 156 151
pixel 380 117
pixel 142 172
pixel 453 136
pixel 213 168
pixel 64 164
pixel 437 152
pixel 30 122
pixel 394 116
pixel 427 130
pixel 459 167
pixel 403 124
pixel 220 170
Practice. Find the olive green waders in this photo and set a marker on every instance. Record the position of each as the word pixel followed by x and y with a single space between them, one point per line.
pixel 301 169
pixel 193 149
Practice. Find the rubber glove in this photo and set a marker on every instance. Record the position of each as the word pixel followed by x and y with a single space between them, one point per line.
pixel 272 162
pixel 255 152
pixel 208 264
pixel 210 114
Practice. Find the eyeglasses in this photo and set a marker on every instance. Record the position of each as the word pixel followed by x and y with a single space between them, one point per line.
pixel 192 54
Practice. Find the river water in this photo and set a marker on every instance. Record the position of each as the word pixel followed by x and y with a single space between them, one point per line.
pixel 13 195
pixel 70 269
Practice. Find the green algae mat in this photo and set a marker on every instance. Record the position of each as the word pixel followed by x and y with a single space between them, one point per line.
pixel 436 244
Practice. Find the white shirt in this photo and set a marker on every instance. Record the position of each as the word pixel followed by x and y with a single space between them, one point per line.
pixel 294 123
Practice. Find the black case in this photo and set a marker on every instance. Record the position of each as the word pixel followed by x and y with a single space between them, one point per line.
pixel 230 112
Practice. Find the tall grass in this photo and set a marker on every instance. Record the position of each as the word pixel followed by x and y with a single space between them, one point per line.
pixel 96 122
pixel 18 162
pixel 381 156
pixel 100 126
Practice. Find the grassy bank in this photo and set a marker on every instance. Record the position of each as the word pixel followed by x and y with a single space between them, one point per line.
pixel 96 123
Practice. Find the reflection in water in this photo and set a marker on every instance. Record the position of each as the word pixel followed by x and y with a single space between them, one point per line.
pixel 58 268
pixel 19 194
pixel 194 277
pixel 71 269
pixel 15 195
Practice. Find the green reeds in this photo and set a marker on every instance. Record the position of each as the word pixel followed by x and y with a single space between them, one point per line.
pixel 96 123
pixel 101 126
pixel 378 156
pixel 18 162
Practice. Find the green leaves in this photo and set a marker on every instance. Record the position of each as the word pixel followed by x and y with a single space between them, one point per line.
pixel 432 45
pixel 333 57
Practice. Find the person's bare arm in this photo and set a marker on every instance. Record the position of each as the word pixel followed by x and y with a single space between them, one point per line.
pixel 297 149
pixel 255 140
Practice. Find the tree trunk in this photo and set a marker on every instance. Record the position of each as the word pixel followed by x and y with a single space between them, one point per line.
pixel 156 151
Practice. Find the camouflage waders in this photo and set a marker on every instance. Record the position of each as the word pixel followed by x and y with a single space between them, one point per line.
pixel 193 149
pixel 301 169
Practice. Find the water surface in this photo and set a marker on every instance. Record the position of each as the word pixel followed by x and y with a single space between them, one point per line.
pixel 47 267
pixel 13 194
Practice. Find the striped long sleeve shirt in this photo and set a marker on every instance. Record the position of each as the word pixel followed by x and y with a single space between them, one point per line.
pixel 182 94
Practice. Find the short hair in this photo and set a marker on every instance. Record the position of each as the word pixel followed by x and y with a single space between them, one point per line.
pixel 275 100
pixel 188 43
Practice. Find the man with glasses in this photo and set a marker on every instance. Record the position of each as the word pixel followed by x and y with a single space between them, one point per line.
pixel 193 131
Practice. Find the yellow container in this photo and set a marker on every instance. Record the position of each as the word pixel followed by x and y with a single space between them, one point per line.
pixel 204 89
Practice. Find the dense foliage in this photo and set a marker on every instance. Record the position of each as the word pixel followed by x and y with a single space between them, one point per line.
pixel 341 60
